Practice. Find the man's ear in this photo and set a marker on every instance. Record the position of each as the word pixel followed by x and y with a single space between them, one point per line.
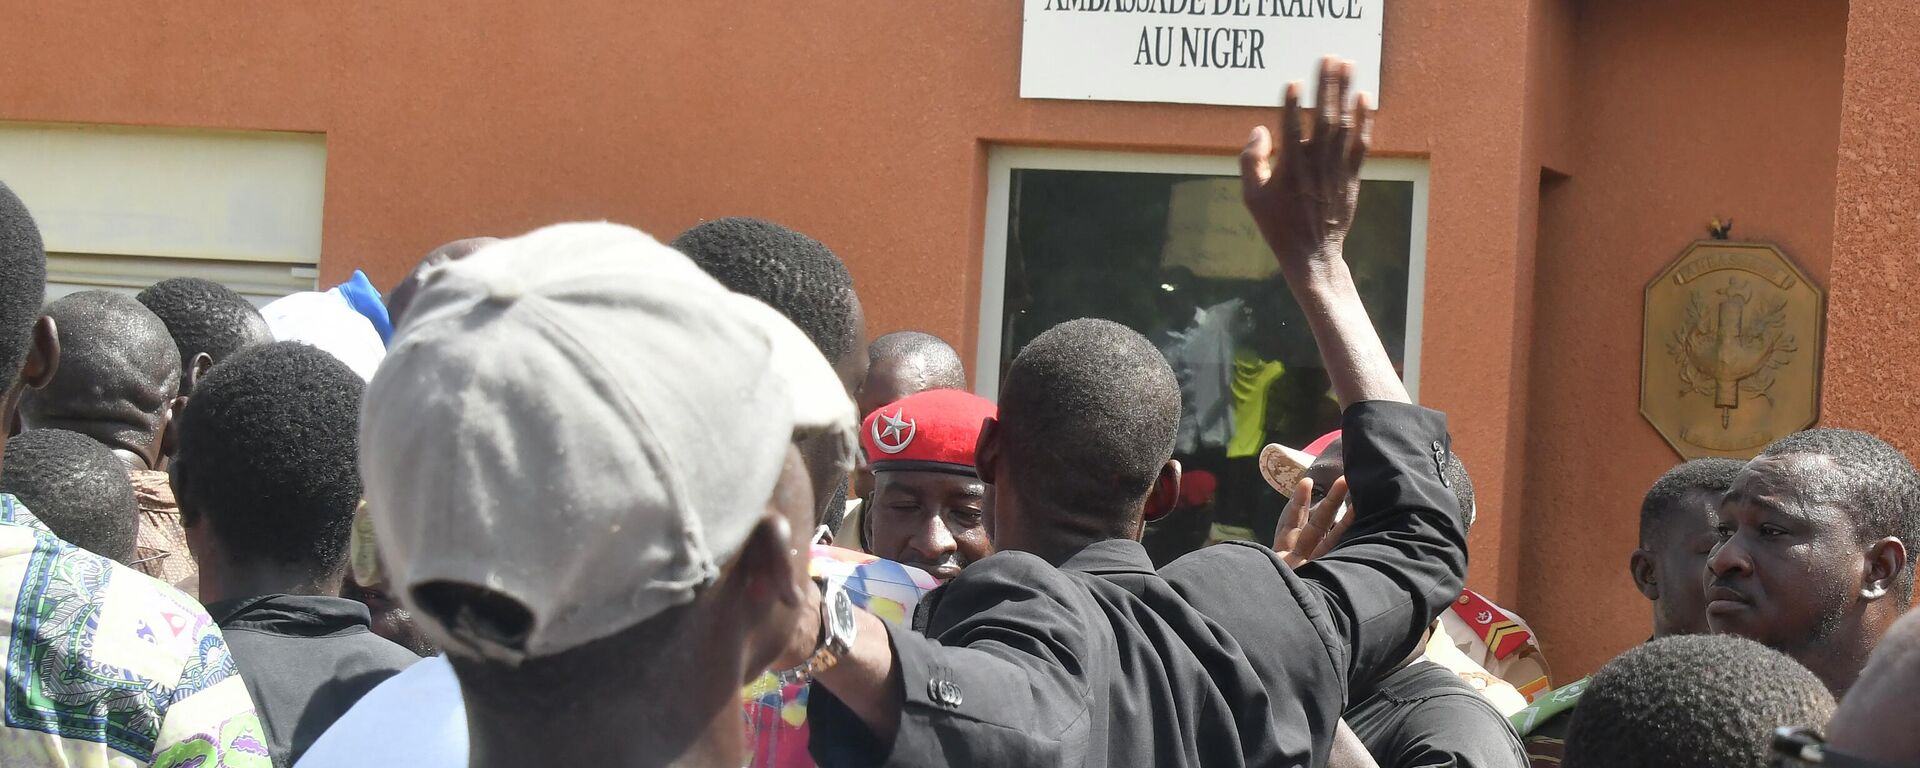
pixel 1645 575
pixel 768 565
pixel 1886 561
pixel 168 442
pixel 177 482
pixel 986 451
pixel 1165 494
pixel 196 369
pixel 43 355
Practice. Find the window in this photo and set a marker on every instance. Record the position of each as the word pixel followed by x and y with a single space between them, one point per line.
pixel 1162 244
pixel 121 208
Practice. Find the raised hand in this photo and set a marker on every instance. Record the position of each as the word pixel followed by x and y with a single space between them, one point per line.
pixel 1308 530
pixel 1302 192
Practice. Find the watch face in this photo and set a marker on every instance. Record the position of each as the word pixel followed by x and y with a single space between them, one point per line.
pixel 841 614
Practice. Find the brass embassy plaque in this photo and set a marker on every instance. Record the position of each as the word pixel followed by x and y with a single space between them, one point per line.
pixel 1730 357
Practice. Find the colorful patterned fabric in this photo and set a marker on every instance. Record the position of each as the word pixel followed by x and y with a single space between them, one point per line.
pixel 776 716
pixel 1498 641
pixel 1543 725
pixel 107 667
pixel 160 549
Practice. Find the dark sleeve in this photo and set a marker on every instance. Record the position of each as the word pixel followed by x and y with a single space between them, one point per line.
pixel 1405 558
pixel 1450 731
pixel 1004 682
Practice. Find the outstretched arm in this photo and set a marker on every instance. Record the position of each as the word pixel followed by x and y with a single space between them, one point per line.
pixel 1302 193
pixel 1405 557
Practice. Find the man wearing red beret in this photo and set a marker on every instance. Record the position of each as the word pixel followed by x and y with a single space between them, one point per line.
pixel 928 507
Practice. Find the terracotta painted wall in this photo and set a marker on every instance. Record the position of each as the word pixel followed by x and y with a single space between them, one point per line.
pixel 867 125
pixel 863 124
pixel 1683 111
pixel 1873 349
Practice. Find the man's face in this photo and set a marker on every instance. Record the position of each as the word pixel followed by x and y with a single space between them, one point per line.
pixel 1686 538
pixel 1330 466
pixel 852 366
pixel 391 619
pixel 888 380
pixel 1789 565
pixel 935 521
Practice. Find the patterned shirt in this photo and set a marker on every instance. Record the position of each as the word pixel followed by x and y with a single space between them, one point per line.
pixel 160 549
pixel 777 715
pixel 107 667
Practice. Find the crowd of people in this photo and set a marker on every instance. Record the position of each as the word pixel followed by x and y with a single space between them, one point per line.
pixel 582 497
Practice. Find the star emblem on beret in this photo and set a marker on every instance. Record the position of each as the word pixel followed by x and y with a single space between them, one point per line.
pixel 893 433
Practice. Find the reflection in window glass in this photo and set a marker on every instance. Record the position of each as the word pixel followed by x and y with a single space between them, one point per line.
pixel 1177 258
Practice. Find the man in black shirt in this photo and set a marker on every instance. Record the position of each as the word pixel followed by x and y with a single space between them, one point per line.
pixel 1424 714
pixel 1066 647
pixel 268 479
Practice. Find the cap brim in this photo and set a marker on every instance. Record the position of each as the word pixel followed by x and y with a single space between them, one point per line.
pixel 1282 467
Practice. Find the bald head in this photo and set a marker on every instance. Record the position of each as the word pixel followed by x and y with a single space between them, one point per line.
pixel 1874 720
pixel 907 363
pixel 119 374
pixel 401 297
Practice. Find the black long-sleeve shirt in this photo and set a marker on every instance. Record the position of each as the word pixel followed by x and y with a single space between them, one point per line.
pixel 1425 716
pixel 1226 657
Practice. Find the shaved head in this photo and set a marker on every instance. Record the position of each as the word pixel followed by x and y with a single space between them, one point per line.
pixel 119 374
pixel 907 363
pixel 401 297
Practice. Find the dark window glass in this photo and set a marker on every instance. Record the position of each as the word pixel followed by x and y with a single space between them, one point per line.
pixel 1177 258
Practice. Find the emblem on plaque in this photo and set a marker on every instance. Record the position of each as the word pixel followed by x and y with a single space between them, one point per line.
pixel 1730 357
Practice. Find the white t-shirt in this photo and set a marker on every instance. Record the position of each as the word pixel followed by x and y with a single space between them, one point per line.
pixel 415 719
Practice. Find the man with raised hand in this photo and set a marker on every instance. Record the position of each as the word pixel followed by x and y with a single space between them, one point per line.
pixel 1066 647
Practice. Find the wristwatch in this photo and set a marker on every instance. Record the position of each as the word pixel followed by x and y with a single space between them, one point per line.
pixel 837 630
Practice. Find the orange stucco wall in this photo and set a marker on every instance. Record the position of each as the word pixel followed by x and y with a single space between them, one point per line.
pixel 1683 112
pixel 1574 147
pixel 863 124
pixel 1873 350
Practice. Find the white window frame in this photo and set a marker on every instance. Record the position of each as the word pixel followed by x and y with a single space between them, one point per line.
pixel 1003 160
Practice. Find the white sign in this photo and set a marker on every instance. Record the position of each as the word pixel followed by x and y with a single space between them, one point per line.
pixel 1235 52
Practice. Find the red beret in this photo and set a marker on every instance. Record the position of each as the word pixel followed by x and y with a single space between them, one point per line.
pixel 932 431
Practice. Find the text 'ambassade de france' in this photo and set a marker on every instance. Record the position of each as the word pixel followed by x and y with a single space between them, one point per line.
pixel 1210 47
pixel 1293 9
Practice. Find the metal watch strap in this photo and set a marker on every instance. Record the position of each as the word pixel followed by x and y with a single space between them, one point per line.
pixel 830 649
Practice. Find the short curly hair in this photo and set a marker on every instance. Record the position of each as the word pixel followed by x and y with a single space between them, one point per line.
pixel 77 487
pixel 1693 701
pixel 268 455
pixel 1088 415
pixel 1709 476
pixel 1879 483
pixel 23 283
pixel 791 272
pixel 205 316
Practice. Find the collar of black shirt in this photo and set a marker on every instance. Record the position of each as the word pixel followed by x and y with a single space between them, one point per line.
pixel 1109 557
pixel 296 615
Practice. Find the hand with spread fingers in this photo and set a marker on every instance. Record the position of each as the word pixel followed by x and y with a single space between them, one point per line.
pixel 1308 529
pixel 1303 191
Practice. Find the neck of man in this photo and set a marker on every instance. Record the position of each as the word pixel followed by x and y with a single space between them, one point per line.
pixel 1055 535
pixel 1838 658
pixel 228 580
pixel 648 727
pixel 697 724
